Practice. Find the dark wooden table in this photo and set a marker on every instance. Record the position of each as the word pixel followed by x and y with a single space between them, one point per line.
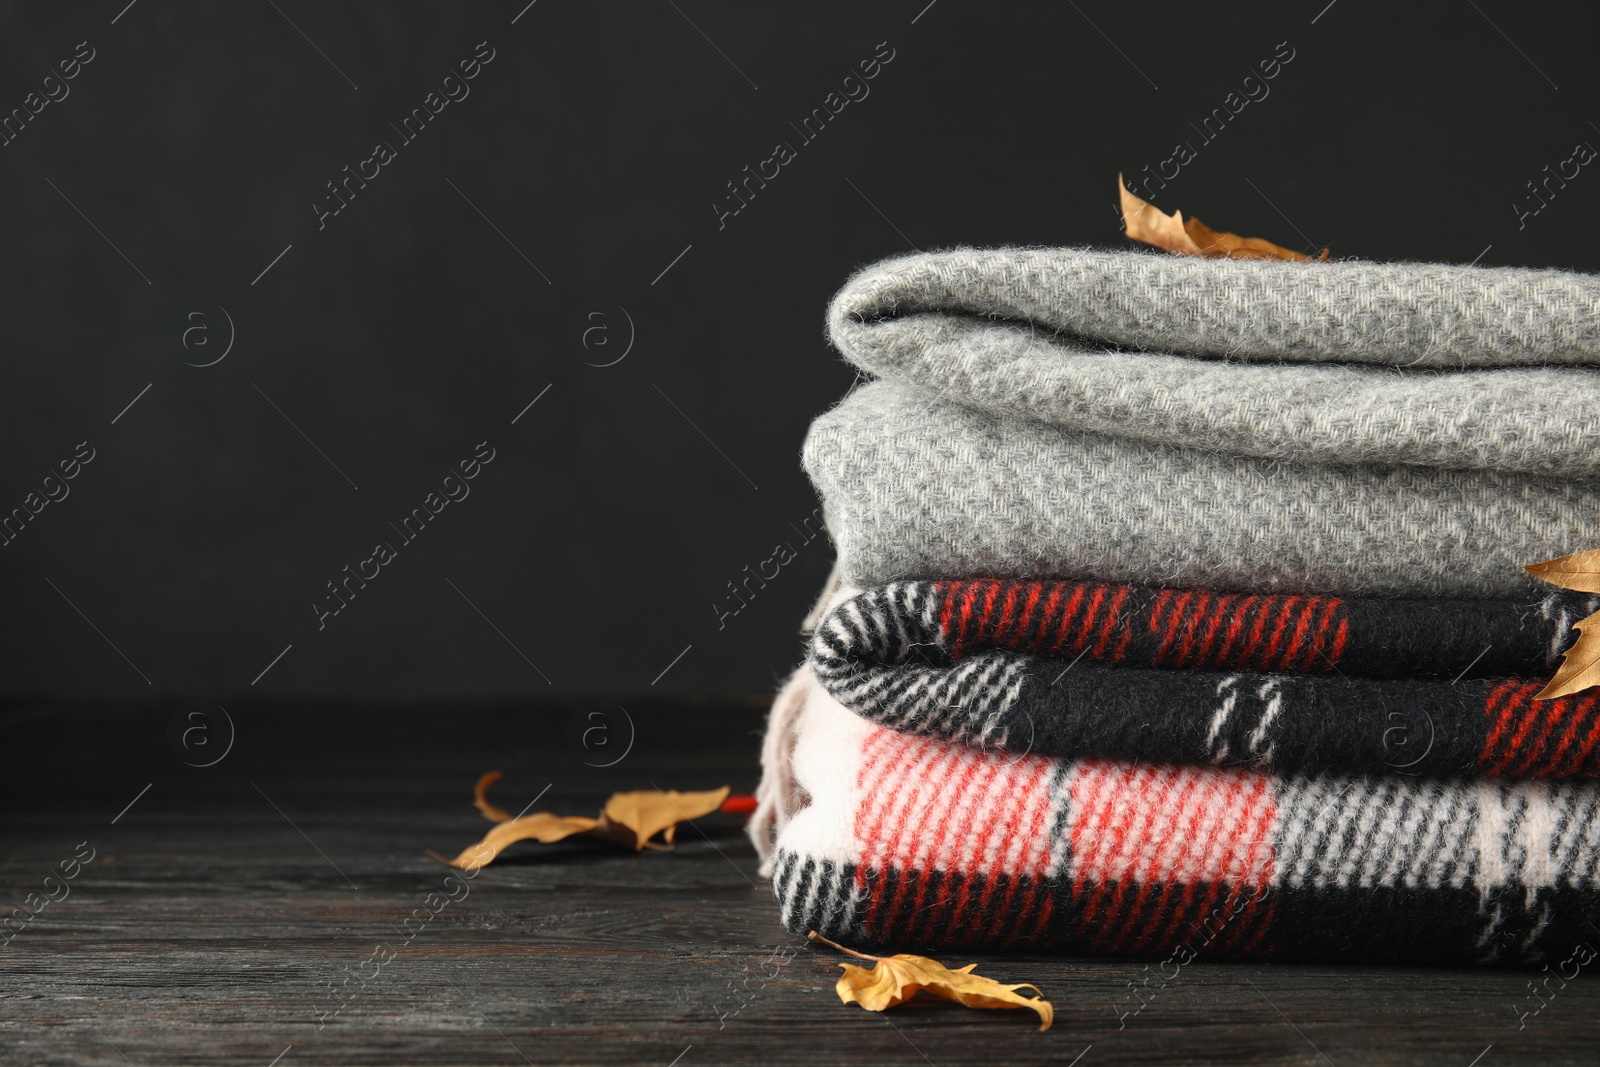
pixel 227 907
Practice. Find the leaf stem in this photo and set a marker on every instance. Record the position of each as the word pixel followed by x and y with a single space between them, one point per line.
pixel 813 935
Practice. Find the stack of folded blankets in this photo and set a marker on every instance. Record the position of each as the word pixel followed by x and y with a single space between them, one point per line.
pixel 1182 602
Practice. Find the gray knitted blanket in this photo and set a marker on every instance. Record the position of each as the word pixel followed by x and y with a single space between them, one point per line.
pixel 1399 429
pixel 1425 364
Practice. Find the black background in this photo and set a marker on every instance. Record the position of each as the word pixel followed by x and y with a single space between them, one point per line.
pixel 408 330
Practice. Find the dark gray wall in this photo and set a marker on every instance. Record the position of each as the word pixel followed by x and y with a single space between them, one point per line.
pixel 592 148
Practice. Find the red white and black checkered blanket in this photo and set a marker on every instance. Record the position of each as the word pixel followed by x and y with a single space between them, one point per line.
pixel 919 843
pixel 1291 684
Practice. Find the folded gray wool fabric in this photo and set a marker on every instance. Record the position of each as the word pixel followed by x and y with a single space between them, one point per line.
pixel 915 486
pixel 1467 368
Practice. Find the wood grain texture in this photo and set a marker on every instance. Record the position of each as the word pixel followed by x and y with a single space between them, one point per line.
pixel 210 926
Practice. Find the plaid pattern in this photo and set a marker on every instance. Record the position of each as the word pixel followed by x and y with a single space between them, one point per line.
pixel 1196 628
pixel 916 842
pixel 1045 667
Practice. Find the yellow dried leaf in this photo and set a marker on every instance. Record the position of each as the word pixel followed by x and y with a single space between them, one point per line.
pixel 1580 571
pixel 541 826
pixel 1143 221
pixel 629 819
pixel 632 819
pixel 893 980
pixel 480 798
pixel 1580 666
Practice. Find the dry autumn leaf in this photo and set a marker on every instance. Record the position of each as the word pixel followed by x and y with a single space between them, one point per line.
pixel 1580 665
pixel 631 820
pixel 1144 222
pixel 1579 572
pixel 480 798
pixel 896 979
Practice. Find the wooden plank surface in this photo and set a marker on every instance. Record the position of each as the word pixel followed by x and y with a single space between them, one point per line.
pixel 224 906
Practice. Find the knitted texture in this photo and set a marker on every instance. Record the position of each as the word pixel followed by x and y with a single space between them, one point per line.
pixel 1136 626
pixel 914 486
pixel 919 844
pixel 1426 364
pixel 889 655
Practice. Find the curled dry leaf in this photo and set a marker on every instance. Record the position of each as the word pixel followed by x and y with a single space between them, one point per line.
pixel 896 979
pixel 631 820
pixel 1580 665
pixel 1144 222
pixel 540 826
pixel 1579 572
pixel 480 798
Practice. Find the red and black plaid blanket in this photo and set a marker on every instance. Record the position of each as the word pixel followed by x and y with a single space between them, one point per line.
pixel 918 843
pixel 1291 684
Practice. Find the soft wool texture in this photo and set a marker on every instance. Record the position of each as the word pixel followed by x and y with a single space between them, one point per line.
pixel 1339 363
pixel 896 655
pixel 1135 626
pixel 915 486
pixel 918 844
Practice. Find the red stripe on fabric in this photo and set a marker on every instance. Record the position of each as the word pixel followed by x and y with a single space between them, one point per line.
pixel 1265 611
pixel 1284 613
pixel 880 804
pixel 1292 651
pixel 1130 787
pixel 1041 934
pixel 990 883
pixel 1008 615
pixel 1318 649
pixel 1194 911
pixel 1068 613
pixel 1262 857
pixel 1518 706
pixel 908 829
pixel 1022 914
pixel 1112 906
pixel 1086 631
pixel 1149 900
pixel 1263 917
pixel 1086 903
pixel 1113 621
pixel 917 830
pixel 1236 923
pixel 1169 835
pixel 967 592
pixel 1192 618
pixel 1047 617
pixel 909 818
pixel 1166 928
pixel 1497 708
pixel 1547 716
pixel 985 628
pixel 1236 625
pixel 1159 606
pixel 988 773
pixel 958 794
pixel 1174 619
pixel 869 819
pixel 945 591
pixel 1304 648
pixel 1124 641
pixel 1340 640
pixel 1218 612
pixel 1577 764
pixel 1556 766
pixel 1029 605
pixel 1009 913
